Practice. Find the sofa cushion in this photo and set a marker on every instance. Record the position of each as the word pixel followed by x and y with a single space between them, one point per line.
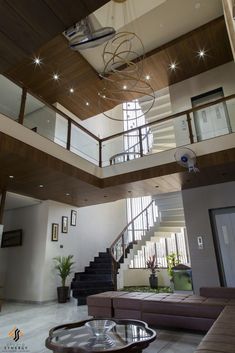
pixel 131 300
pixel 218 292
pixel 101 305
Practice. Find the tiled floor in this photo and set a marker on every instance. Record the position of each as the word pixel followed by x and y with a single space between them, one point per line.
pixel 36 320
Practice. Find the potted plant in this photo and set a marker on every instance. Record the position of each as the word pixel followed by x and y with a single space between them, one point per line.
pixel 172 261
pixel 64 266
pixel 153 267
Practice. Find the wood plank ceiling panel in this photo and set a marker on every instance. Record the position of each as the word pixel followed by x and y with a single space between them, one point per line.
pixel 77 73
pixel 28 24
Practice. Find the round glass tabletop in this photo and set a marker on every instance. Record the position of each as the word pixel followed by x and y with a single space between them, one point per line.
pixel 100 335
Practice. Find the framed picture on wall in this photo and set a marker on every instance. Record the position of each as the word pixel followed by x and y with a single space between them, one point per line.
pixel 54 232
pixel 64 228
pixel 73 220
pixel 12 238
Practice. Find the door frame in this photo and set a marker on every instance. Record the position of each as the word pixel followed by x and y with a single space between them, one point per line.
pixel 219 259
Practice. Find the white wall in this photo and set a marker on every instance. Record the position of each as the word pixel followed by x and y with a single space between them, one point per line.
pixel 140 277
pixel 182 92
pixel 23 277
pixel 28 270
pixel 99 225
pixel 197 203
pixel 68 244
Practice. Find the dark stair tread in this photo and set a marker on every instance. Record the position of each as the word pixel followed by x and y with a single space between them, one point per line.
pixel 96 278
pixel 90 291
pixel 90 284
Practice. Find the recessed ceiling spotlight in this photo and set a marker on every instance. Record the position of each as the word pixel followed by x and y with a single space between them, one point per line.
pixel 201 53
pixel 41 186
pixel 147 77
pixel 37 61
pixel 104 96
pixel 71 90
pixel 124 87
pixel 11 176
pixel 67 194
pixel 87 103
pixel 173 66
pixel 55 77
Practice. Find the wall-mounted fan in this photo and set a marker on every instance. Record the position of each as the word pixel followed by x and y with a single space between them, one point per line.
pixel 186 158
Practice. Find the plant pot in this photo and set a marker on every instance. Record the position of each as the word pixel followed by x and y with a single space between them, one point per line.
pixel 153 281
pixel 62 293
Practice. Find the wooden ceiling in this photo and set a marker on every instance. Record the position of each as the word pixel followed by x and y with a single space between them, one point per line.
pixel 76 72
pixel 31 168
pixel 28 24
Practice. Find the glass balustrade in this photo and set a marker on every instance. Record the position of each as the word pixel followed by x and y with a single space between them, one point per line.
pixel 40 118
pixel 113 151
pixel 10 98
pixel 215 119
pixel 84 145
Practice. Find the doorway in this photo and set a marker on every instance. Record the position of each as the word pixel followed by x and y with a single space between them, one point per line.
pixel 223 227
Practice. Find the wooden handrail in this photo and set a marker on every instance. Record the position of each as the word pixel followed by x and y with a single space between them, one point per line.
pixel 173 116
pixel 58 111
pixel 126 227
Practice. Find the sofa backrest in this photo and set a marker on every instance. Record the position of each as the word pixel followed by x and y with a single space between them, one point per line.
pixel 218 292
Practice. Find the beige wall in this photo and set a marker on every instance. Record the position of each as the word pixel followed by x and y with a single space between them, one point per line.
pixel 140 277
pixel 197 203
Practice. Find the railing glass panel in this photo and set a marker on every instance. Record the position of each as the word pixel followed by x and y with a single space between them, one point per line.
pixel 84 145
pixel 39 117
pixel 10 98
pixel 168 134
pixel 230 105
pixel 113 151
pixel 213 121
pixel 61 130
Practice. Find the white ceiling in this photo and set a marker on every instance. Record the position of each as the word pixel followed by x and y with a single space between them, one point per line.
pixel 156 23
pixel 14 201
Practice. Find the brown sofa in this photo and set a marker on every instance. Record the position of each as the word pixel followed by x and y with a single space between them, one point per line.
pixel 213 310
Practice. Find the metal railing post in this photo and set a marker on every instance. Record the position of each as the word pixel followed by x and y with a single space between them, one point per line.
pixel 22 106
pixel 190 128
pixel 100 154
pixel 141 142
pixel 69 135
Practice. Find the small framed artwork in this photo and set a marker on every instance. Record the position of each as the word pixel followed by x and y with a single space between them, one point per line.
pixel 12 238
pixel 64 228
pixel 54 232
pixel 73 220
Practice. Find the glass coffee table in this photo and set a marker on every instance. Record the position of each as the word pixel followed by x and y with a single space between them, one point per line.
pixel 104 335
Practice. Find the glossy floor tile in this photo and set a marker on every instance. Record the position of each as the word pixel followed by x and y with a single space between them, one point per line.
pixel 36 320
